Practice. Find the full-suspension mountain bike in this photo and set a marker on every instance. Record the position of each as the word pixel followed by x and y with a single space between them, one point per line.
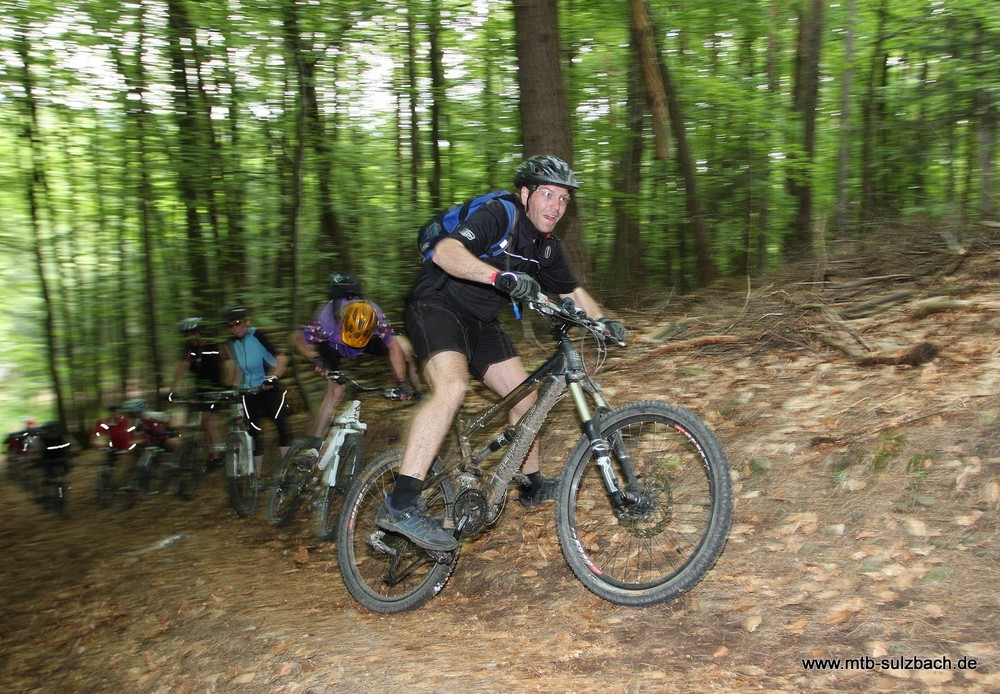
pixel 341 458
pixel 643 509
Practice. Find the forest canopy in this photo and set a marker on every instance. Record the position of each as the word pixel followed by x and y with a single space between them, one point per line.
pixel 165 157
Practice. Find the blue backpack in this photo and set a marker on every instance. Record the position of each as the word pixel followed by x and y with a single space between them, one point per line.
pixel 449 220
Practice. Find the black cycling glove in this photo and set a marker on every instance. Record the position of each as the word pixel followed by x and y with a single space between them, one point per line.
pixel 614 329
pixel 517 284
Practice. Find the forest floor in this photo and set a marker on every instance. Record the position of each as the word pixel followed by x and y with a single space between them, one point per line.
pixel 866 518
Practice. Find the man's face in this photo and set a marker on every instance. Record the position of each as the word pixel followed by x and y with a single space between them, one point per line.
pixel 545 206
pixel 238 327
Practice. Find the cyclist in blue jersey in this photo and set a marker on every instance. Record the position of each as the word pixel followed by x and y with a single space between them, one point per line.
pixel 252 360
pixel 347 327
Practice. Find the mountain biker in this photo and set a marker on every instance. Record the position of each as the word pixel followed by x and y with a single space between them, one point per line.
pixel 52 451
pixel 203 358
pixel 117 428
pixel 455 331
pixel 345 328
pixel 248 357
pixel 152 425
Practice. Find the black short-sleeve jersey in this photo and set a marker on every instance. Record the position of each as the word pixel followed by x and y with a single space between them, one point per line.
pixel 206 365
pixel 529 251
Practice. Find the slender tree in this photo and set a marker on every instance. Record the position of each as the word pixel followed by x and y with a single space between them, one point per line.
pixel 805 104
pixel 545 123
pixel 37 194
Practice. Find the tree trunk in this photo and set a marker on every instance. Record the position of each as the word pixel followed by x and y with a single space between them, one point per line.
pixel 806 99
pixel 193 147
pixel 437 102
pixel 545 122
pixel 413 98
pixel 843 201
pixel 645 49
pixel 303 83
pixel 37 194
pixel 985 110
pixel 627 262
pixel 871 121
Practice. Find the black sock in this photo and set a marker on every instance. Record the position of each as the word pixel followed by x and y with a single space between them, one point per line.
pixel 537 479
pixel 406 490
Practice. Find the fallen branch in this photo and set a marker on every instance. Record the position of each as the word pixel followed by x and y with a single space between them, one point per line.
pixel 872 305
pixel 912 356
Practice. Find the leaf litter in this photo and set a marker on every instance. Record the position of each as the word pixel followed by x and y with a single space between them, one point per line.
pixel 866 526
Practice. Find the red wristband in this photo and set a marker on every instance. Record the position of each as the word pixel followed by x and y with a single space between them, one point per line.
pixel 493 278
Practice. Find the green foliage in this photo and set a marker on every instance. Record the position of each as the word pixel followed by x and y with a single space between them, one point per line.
pixel 247 70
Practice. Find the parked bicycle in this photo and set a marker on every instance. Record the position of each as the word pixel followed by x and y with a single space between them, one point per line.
pixel 325 480
pixel 149 474
pixel 117 431
pixel 643 509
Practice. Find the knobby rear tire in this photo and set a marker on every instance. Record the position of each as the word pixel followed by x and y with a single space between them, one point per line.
pixel 663 545
pixel 128 491
pixel 328 508
pixel 190 467
pixel 105 486
pixel 289 487
pixel 379 581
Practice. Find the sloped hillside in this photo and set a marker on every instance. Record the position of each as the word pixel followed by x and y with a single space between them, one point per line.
pixel 859 403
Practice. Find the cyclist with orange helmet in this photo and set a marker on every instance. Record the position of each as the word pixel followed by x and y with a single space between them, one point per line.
pixel 345 328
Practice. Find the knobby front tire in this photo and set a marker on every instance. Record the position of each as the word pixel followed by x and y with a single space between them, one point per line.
pixel 289 486
pixel 384 571
pixel 241 480
pixel 352 460
pixel 674 529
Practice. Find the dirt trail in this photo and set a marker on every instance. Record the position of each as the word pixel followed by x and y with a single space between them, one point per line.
pixel 868 500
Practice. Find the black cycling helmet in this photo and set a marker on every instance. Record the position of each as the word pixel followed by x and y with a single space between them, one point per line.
pixel 190 325
pixel 233 313
pixel 545 169
pixel 343 286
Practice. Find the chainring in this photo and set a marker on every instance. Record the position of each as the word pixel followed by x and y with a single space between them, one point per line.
pixel 470 511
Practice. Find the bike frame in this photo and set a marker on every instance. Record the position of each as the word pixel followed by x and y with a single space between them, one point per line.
pixel 243 464
pixel 349 421
pixel 562 371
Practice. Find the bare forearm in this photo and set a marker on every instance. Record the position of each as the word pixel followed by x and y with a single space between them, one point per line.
pixel 582 298
pixel 455 259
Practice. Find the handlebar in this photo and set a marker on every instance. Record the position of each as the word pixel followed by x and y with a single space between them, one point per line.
pixel 567 313
pixel 342 378
pixel 211 397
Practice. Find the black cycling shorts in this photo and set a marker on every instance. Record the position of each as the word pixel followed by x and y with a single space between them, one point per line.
pixel 433 327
